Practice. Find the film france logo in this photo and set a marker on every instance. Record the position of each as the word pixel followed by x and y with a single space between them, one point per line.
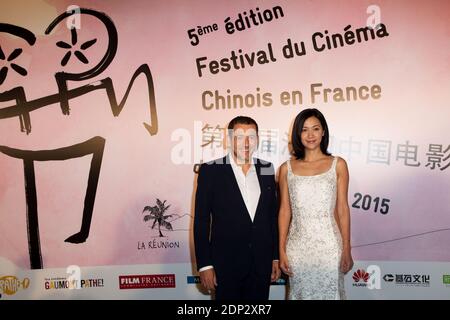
pixel 147 281
pixel 9 285
pixel 370 279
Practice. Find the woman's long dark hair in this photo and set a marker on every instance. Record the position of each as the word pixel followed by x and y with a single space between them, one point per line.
pixel 299 148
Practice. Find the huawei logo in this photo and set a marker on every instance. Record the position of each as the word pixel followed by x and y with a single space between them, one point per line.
pixel 360 274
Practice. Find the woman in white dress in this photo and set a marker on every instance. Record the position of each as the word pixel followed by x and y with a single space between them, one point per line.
pixel 314 217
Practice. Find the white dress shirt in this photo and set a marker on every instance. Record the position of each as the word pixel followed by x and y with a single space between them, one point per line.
pixel 249 188
pixel 248 185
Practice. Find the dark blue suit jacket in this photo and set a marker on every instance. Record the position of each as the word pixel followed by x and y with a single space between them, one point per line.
pixel 224 234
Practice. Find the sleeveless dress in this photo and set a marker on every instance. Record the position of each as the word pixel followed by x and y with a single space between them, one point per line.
pixel 314 242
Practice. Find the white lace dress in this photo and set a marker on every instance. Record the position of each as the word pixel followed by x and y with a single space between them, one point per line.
pixel 314 243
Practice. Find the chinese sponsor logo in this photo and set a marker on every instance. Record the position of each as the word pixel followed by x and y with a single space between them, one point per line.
pixel 369 278
pixel 360 278
pixel 418 280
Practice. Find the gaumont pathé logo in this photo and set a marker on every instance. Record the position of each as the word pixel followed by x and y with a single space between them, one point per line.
pixel 147 281
pixel 162 224
pixel 73 281
pixel 9 285
pixel 64 283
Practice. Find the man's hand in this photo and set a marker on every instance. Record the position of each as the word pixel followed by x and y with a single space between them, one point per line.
pixel 208 279
pixel 276 272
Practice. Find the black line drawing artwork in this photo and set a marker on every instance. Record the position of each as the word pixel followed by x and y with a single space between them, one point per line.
pixel 157 213
pixel 95 146
pixel 77 53
pixel 401 238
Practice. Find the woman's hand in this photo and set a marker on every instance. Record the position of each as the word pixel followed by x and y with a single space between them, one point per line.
pixel 284 264
pixel 346 261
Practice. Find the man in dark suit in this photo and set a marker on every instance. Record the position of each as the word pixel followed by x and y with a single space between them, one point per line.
pixel 235 224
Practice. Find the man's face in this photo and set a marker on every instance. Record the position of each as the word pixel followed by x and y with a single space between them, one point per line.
pixel 244 142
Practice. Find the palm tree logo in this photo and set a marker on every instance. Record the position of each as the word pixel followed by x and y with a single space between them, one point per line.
pixel 157 214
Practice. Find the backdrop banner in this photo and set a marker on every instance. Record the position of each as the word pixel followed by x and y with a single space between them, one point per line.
pixel 107 109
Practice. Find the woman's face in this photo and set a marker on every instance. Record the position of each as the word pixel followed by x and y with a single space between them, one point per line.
pixel 312 133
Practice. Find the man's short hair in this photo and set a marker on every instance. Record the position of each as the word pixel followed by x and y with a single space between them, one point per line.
pixel 241 120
